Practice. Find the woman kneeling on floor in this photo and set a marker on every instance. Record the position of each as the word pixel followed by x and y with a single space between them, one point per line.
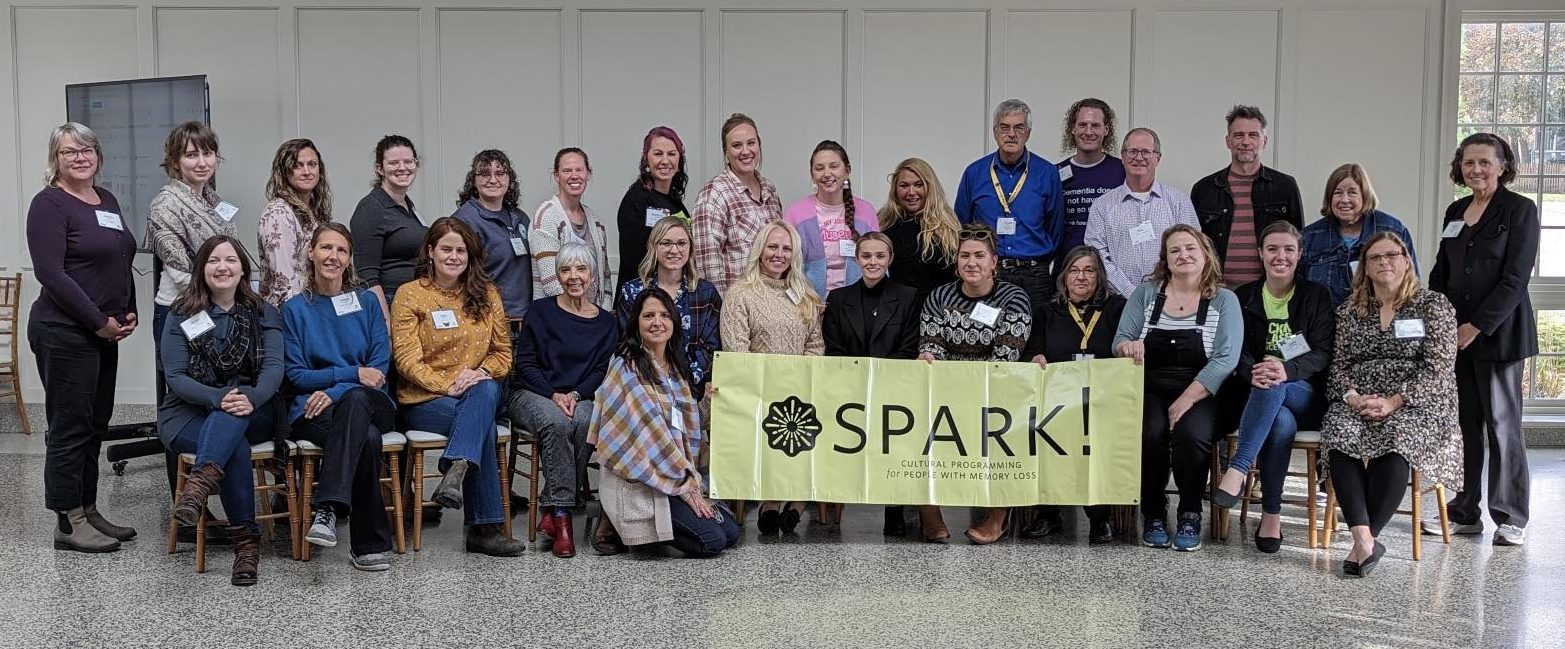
pixel 337 357
pixel 452 342
pixel 223 352
pixel 646 425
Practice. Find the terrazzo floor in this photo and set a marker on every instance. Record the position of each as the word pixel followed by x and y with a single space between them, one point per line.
pixel 847 587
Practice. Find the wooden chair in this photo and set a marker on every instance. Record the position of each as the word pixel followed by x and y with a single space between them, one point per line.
pixel 1305 440
pixel 260 455
pixel 525 446
pixel 10 338
pixel 391 445
pixel 420 442
pixel 1415 513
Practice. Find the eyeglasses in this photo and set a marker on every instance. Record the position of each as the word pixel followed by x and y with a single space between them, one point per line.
pixel 400 164
pixel 1084 272
pixel 976 234
pixel 1007 129
pixel 1142 153
pixel 494 174
pixel 1384 257
pixel 70 154
pixel 667 243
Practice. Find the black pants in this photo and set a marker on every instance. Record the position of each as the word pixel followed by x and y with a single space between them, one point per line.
pixel 1035 280
pixel 1489 403
pixel 1369 494
pixel 78 370
pixel 349 430
pixel 1187 449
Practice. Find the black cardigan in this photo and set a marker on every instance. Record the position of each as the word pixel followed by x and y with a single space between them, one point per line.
pixel 1056 336
pixel 1497 263
pixel 633 228
pixel 892 334
pixel 1309 312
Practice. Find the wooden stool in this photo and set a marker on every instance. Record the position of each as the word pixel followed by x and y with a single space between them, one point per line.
pixel 10 342
pixel 1305 440
pixel 260 454
pixel 419 442
pixel 521 437
pixel 391 445
pixel 1416 513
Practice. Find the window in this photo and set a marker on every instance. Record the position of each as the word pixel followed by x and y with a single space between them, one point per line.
pixel 1512 84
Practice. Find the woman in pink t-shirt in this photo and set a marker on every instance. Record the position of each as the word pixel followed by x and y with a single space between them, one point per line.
pixel 830 220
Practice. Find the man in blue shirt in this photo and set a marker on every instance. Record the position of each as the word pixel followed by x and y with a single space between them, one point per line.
pixel 1017 193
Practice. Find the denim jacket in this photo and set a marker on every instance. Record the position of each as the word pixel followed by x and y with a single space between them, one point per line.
pixel 1326 261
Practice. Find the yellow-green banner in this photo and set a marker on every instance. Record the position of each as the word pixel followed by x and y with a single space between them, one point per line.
pixel 862 430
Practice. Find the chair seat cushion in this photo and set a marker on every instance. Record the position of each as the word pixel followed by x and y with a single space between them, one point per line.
pixel 424 437
pixel 1306 437
pixel 392 440
pixel 261 451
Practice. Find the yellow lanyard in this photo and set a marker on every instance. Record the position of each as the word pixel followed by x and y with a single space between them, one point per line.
pixel 1005 200
pixel 1086 328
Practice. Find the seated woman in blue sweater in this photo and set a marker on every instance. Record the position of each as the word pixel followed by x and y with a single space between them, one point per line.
pixel 223 353
pixel 564 353
pixel 338 353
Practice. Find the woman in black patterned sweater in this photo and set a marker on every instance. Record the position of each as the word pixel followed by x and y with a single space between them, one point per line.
pixel 976 318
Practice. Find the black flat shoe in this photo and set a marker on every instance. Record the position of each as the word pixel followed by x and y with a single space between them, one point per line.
pixel 1224 499
pixel 1045 522
pixel 1267 544
pixel 1369 563
pixel 896 524
pixel 790 520
pixel 769 522
pixel 1350 569
pixel 1100 532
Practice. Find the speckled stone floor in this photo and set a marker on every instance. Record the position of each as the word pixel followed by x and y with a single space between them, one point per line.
pixel 824 588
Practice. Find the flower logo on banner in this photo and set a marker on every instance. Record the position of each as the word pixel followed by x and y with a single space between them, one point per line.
pixel 791 426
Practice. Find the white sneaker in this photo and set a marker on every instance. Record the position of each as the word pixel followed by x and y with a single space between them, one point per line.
pixel 1510 535
pixel 323 532
pixel 1432 528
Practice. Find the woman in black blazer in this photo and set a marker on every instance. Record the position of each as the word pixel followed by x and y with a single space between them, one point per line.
pixel 1078 324
pixel 1488 247
pixel 878 318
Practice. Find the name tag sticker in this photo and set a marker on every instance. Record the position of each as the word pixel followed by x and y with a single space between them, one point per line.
pixel 1293 347
pixel 847 248
pixel 346 303
pixel 110 220
pixel 518 246
pixel 985 314
pixel 1066 172
pixel 1353 268
pixel 655 214
pixel 793 296
pixel 1141 233
pixel 1082 357
pixel 196 325
pixel 226 210
pixel 444 319
pixel 1453 229
pixel 1411 328
pixel 678 420
pixel 1006 225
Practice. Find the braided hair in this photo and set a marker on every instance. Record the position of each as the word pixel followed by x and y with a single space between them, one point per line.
pixel 847 184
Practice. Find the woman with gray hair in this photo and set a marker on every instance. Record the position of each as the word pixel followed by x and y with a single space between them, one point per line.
pixel 82 255
pixel 564 353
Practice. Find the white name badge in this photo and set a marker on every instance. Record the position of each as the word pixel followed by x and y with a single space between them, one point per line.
pixel 1082 357
pixel 444 319
pixel 1353 268
pixel 655 214
pixel 1293 347
pixel 793 296
pixel 1142 233
pixel 1413 328
pixel 984 314
pixel 1066 172
pixel 226 210
pixel 518 246
pixel 110 220
pixel 196 325
pixel 1006 225
pixel 346 303
pixel 847 248
pixel 1453 229
pixel 678 420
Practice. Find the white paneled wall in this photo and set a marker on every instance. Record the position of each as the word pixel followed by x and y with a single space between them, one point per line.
pixel 1341 79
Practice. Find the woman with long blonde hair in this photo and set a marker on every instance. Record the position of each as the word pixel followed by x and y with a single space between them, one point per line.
pixel 919 221
pixel 773 309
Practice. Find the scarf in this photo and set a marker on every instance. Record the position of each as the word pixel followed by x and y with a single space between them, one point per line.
pixel 632 428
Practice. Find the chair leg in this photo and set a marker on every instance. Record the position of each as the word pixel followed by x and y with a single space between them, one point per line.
pixel 1418 502
pixel 394 463
pixel 1218 515
pixel 263 500
pixel 291 496
pixel 1311 488
pixel 532 494
pixel 739 512
pixel 306 495
pixel 1331 516
pixel 1445 519
pixel 201 522
pixel 16 390
pixel 180 474
pixel 505 487
pixel 417 476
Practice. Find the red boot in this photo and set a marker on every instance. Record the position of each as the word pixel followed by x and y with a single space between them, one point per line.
pixel 560 529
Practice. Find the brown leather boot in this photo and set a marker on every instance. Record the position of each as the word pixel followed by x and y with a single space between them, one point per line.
pixel 991 529
pixel 932 524
pixel 247 556
pixel 605 540
pixel 203 482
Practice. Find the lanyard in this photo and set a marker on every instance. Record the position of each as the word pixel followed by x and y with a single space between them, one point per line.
pixel 1005 200
pixel 1087 327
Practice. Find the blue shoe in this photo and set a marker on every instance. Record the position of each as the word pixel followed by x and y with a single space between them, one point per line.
pixel 1156 534
pixel 1188 537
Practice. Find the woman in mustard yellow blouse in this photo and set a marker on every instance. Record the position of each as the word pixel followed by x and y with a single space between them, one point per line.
pixel 451 341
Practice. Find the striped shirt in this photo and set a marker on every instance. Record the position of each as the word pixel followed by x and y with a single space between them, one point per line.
pixel 1243 264
pixel 949 331
pixel 1128 231
pixel 1222 335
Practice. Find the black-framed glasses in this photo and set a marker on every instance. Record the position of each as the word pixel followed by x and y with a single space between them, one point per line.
pixel 1142 153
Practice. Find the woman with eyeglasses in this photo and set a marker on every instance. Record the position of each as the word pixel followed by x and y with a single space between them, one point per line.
pixel 388 235
pixel 86 305
pixel 489 203
pixel 1187 329
pixel 1392 396
pixel 669 265
pixel 298 199
pixel 976 318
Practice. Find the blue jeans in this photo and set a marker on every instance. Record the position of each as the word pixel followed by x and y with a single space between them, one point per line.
pixel 1270 420
pixel 701 537
pixel 469 423
pixel 224 440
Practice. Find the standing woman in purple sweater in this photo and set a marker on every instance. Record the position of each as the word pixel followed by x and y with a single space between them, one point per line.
pixel 82 254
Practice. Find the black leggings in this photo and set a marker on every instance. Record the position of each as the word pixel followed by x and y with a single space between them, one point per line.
pixel 1369 495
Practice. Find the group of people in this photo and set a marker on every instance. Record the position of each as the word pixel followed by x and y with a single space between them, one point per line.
pixel 392 323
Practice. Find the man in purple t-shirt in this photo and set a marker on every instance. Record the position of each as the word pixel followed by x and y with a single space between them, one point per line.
pixel 1091 171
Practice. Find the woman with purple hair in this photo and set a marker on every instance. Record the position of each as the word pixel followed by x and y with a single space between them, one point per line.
pixel 659 191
